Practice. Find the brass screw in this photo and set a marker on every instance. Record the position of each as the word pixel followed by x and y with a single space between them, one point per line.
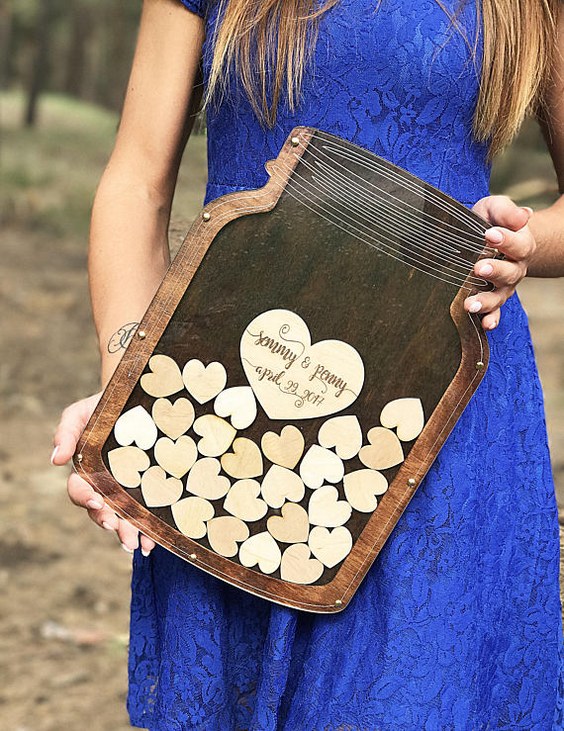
pixel 79 457
pixel 411 482
pixel 193 556
pixel 141 334
pixel 338 602
pixel 295 141
pixel 206 215
pixel 479 365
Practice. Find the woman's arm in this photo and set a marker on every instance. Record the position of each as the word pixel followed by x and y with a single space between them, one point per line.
pixel 129 253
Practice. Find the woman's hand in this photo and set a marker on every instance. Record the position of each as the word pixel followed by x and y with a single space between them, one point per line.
pixel 73 420
pixel 512 237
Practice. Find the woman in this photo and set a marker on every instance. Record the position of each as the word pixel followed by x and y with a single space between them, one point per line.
pixel 457 624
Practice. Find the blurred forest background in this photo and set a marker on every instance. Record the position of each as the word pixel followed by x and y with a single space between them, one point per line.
pixel 64 585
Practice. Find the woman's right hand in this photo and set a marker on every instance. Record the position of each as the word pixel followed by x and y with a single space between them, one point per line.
pixel 73 420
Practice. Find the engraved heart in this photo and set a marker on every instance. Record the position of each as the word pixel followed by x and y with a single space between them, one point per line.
pixel 158 490
pixel 384 450
pixel 343 433
pixel 173 419
pixel 280 484
pixel 284 449
pixel 293 379
pixel 245 460
pixel 362 487
pixel 260 549
pixel 204 382
pixel 330 547
pixel 326 509
pixel 407 415
pixel 290 527
pixel 224 533
pixel 177 457
pixel 217 435
pixel 205 481
pixel 136 426
pixel 165 378
pixel 126 464
pixel 238 403
pixel 190 515
pixel 320 465
pixel 298 567
pixel 242 500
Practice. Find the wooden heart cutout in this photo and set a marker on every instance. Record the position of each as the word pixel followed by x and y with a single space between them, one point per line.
pixel 239 403
pixel 293 379
pixel 165 378
pixel 343 433
pixel 177 457
pixel 126 464
pixel 407 415
pixel 260 549
pixel 136 425
pixel 173 419
pixel 190 515
pixel 285 449
pixel 326 509
pixel 384 450
pixel 280 484
pixel 224 533
pixel 205 481
pixel 158 490
pixel 298 567
pixel 330 547
pixel 243 501
pixel 362 487
pixel 320 465
pixel 217 435
pixel 245 460
pixel 204 382
pixel 290 527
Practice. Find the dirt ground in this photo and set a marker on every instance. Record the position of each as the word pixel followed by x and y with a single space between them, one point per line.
pixel 64 585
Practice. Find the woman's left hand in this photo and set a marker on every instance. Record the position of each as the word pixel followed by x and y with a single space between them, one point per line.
pixel 513 238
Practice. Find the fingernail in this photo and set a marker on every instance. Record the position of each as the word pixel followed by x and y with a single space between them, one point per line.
pixel 126 548
pixel 529 210
pixel 95 503
pixel 494 235
pixel 492 326
pixel 145 553
pixel 475 306
pixel 54 453
pixel 107 526
pixel 485 270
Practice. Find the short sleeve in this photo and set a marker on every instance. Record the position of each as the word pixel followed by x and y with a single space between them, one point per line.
pixel 195 6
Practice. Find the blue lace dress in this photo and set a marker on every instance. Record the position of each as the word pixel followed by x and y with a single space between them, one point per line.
pixel 457 624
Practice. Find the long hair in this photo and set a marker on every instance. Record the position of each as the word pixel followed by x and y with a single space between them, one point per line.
pixel 275 38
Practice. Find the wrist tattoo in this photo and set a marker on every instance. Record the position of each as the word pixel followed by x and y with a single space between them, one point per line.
pixel 121 338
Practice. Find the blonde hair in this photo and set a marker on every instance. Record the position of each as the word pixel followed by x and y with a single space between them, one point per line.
pixel 277 37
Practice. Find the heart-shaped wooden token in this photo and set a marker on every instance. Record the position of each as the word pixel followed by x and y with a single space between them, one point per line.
pixel 190 515
pixel 177 457
pixel 217 435
pixel 298 567
pixel 330 547
pixel 343 433
pixel 158 490
pixel 407 415
pixel 260 549
pixel 362 487
pixel 326 509
pixel 239 403
pixel 224 533
pixel 285 449
pixel 126 464
pixel 290 527
pixel 321 465
pixel 173 419
pixel 245 460
pixel 293 379
pixel 136 425
pixel 384 450
pixel 165 378
pixel 204 382
pixel 205 481
pixel 243 500
pixel 280 484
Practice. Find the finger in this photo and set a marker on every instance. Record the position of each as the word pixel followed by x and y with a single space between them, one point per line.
pixel 83 494
pixel 501 273
pixel 147 544
pixel 105 518
pixel 487 301
pixel 500 210
pixel 516 246
pixel 128 535
pixel 71 425
pixel 491 320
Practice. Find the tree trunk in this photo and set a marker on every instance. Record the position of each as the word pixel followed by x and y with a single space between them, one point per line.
pixel 38 75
